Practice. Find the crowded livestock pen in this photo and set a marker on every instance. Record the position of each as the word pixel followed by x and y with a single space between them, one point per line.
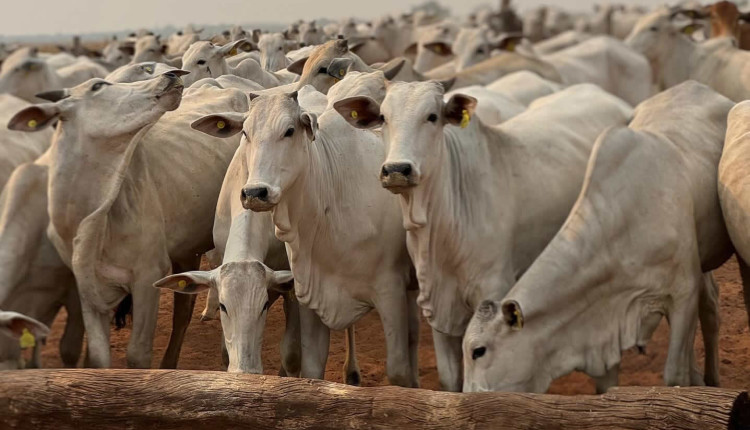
pixel 517 218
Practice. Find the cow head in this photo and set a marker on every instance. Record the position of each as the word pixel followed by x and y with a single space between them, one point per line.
pixel 492 344
pixel 148 48
pixel 246 291
pixel 273 48
pixel 101 110
pixel 655 35
pixel 278 133
pixel 205 60
pixel 24 75
pixel 412 117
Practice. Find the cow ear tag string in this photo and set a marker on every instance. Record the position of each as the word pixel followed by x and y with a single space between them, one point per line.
pixel 465 118
pixel 27 339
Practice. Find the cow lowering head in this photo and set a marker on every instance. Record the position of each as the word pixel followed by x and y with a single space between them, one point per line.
pixel 278 133
pixel 412 117
pixel 246 291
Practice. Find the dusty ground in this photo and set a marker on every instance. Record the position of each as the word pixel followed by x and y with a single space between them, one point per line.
pixel 202 348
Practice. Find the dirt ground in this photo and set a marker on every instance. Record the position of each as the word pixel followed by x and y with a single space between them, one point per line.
pixel 202 346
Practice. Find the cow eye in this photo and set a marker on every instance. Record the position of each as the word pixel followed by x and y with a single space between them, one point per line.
pixel 478 352
pixel 201 62
pixel 322 70
pixel 222 307
pixel 480 51
pixel 244 135
pixel 382 119
pixel 432 117
pixel 289 132
pixel 97 86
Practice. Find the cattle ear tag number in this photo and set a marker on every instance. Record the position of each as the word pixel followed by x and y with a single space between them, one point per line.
pixel 465 118
pixel 220 125
pixel 27 339
pixel 182 284
pixel 354 114
pixel 32 123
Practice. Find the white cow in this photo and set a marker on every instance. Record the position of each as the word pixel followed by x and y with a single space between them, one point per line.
pixel 345 241
pixel 462 187
pixel 734 188
pixel 635 247
pixel 119 198
pixel 675 57
pixel 524 87
pixel 273 49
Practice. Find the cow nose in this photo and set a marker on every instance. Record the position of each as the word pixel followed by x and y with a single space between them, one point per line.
pixel 260 193
pixel 402 168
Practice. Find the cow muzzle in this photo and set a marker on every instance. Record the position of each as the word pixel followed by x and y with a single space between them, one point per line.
pixel 259 198
pixel 398 177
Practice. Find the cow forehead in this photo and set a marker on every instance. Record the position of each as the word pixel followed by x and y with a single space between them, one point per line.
pixel 268 111
pixel 326 52
pixel 357 84
pixel 197 48
pixel 241 273
pixel 412 96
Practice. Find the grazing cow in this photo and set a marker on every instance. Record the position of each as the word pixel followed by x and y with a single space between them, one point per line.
pixel 675 57
pixel 734 188
pixel 308 173
pixel 646 227
pixel 462 186
pixel 128 156
pixel 524 87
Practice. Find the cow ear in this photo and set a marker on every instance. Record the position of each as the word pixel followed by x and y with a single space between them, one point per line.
pixel 310 121
pixel 391 68
pixel 508 42
pixel 17 325
pixel 188 282
pixel 512 314
pixel 447 84
pixel 298 66
pixel 361 111
pixel 459 109
pixel 232 48
pixel 411 50
pixel 439 48
pixel 220 125
pixel 282 281
pixel 35 118
pixel 339 67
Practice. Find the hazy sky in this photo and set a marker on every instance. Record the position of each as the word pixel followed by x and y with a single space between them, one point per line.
pixel 20 17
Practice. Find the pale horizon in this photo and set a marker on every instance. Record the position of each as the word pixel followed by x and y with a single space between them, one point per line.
pixel 48 17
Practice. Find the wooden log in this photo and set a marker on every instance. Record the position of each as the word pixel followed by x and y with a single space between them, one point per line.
pixel 175 399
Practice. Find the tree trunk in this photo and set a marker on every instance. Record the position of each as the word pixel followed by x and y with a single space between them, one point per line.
pixel 172 399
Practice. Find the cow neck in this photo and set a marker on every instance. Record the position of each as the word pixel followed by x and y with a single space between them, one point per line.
pixel 577 283
pixel 308 212
pixel 79 205
pixel 673 71
pixel 443 216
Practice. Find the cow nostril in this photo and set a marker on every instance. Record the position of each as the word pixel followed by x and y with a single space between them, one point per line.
pixel 406 171
pixel 260 193
pixel 384 172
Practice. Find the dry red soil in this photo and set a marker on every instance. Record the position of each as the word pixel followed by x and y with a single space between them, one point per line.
pixel 202 346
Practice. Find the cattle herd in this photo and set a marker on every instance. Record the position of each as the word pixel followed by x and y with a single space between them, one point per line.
pixel 542 187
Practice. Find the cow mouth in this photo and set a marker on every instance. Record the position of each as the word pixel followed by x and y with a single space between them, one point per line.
pixel 257 205
pixel 397 183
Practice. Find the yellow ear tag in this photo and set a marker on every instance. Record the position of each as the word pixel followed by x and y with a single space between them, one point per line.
pixel 32 123
pixel 182 284
pixel 465 118
pixel 689 30
pixel 149 70
pixel 27 339
pixel 511 46
pixel 220 125
pixel 342 72
pixel 354 114
pixel 517 313
pixel 233 52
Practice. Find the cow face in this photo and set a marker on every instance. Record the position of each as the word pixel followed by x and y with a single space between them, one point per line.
pixel 498 356
pixel 246 290
pixel 101 110
pixel 272 51
pixel 656 34
pixel 412 116
pixel 206 60
pixel 148 48
pixel 316 70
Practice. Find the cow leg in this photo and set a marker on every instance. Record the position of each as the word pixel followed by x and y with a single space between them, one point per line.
pixel 394 316
pixel 682 321
pixel 745 273
pixel 414 314
pixel 97 335
pixel 315 337
pixel 182 313
pixel 212 305
pixel 449 360
pixel 352 374
pixel 145 315
pixel 291 347
pixel 708 313
pixel 71 342
pixel 609 380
